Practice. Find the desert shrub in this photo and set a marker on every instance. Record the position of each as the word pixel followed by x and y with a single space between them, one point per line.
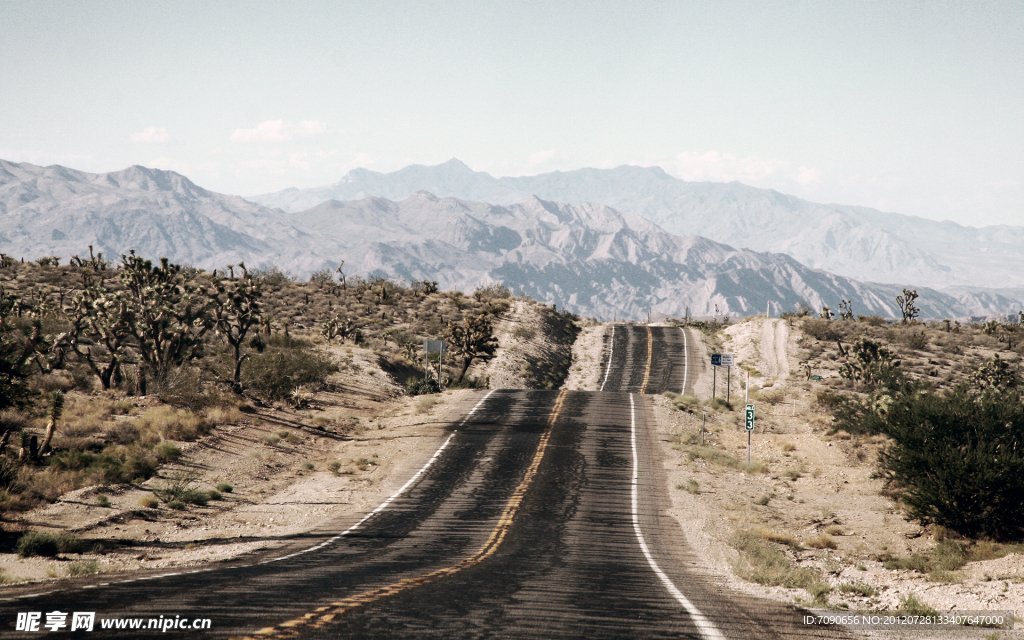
pixel 956 457
pixel 83 568
pixel 916 340
pixel 872 321
pixel 860 589
pixel 167 451
pixel 523 332
pixel 284 366
pixel 8 473
pixel 174 424
pixel 911 606
pixel 421 386
pixel 123 433
pixel 48 544
pixel 149 502
pixel 828 399
pixel 764 564
pixel 824 330
pixel 183 387
pixel 224 487
pixel 823 541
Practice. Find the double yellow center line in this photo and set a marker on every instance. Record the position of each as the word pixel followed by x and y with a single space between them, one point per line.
pixel 647 369
pixel 323 615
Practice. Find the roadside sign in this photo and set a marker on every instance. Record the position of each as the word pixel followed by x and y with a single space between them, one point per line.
pixel 750 417
pixel 728 359
pixel 716 359
pixel 437 346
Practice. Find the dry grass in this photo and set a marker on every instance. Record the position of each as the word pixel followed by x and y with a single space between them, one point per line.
pixel 823 541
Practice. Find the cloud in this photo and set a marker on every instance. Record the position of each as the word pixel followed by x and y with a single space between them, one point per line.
pixel 545 157
pixel 152 135
pixel 715 166
pixel 279 131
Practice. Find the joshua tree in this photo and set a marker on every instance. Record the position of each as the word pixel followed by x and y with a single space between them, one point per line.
pixel 236 310
pixel 473 340
pixel 867 362
pixel 846 310
pixel 826 313
pixel 100 331
pixel 906 303
pixel 168 317
pixel 56 409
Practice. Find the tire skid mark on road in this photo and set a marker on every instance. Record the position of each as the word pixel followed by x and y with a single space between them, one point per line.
pixel 324 615
pixel 707 629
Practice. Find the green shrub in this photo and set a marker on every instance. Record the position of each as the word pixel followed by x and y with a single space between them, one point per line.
pixel 764 564
pixel 284 366
pixel 863 590
pixel 224 487
pixel 956 459
pixel 102 500
pixel 48 544
pixel 83 568
pixel 167 451
pixel 149 502
pixel 911 606
pixel 421 386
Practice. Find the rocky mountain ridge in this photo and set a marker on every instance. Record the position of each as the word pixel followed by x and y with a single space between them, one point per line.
pixel 592 259
pixel 857 242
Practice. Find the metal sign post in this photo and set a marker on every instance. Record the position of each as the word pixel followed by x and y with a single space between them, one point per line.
pixel 438 346
pixel 749 424
pixel 727 360
pixel 716 361
pixel 703 427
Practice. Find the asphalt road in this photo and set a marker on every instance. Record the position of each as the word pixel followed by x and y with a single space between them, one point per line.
pixel 542 516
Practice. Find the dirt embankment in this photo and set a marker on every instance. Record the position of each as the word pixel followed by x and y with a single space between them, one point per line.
pixel 815 500
pixel 290 471
pixel 535 348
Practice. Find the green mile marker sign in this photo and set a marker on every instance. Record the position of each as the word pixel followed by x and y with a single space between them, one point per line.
pixel 750 417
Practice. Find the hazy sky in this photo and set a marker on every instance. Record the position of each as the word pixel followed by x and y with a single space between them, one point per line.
pixel 914 107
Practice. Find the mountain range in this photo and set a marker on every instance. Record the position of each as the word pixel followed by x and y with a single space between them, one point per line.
pixel 857 242
pixel 589 258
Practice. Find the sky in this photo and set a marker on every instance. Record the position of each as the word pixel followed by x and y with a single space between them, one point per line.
pixel 911 107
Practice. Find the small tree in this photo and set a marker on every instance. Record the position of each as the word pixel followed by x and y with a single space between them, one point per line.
pixel 868 362
pixel 100 331
pixel 473 340
pixel 846 310
pixel 826 313
pixel 906 303
pixel 236 310
pixel 56 410
pixel 168 317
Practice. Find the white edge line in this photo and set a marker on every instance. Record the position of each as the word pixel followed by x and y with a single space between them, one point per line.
pixel 686 362
pixel 323 544
pixel 706 627
pixel 416 477
pixel 611 349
